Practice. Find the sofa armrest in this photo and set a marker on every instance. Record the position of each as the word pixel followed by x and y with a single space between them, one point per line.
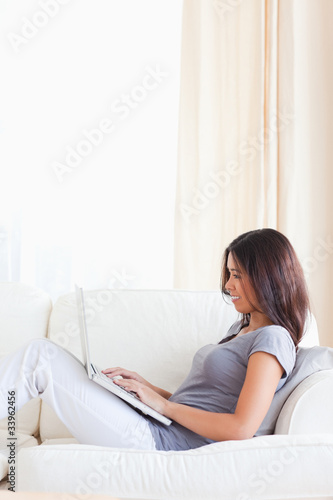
pixel 309 408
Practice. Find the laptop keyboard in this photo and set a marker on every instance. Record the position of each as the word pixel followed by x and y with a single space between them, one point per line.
pixel 110 381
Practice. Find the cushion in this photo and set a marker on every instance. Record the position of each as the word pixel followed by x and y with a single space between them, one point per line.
pixel 48 496
pixel 154 332
pixel 48 442
pixel 220 471
pixel 24 315
pixel 51 426
pixel 27 418
pixel 308 410
pixel 22 440
pixel 309 360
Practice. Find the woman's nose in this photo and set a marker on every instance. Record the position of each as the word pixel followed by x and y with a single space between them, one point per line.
pixel 228 284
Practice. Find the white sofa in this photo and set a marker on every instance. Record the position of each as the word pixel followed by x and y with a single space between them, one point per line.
pixel 156 333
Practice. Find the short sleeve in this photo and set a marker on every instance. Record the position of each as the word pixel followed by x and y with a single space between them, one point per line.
pixel 277 341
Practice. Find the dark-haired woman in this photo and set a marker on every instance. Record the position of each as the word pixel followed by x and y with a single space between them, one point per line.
pixel 230 386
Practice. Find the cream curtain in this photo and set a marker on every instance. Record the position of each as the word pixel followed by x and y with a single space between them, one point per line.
pixel 256 136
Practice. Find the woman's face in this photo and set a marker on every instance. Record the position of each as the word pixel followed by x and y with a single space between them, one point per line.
pixel 241 292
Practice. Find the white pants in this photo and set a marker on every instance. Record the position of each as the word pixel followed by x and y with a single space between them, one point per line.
pixel 92 414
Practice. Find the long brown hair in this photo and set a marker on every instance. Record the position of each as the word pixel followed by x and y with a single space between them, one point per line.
pixel 268 259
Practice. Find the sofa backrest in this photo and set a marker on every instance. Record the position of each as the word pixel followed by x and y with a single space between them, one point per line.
pixel 24 315
pixel 153 332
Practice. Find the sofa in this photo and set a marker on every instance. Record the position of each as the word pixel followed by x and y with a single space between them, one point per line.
pixel 156 333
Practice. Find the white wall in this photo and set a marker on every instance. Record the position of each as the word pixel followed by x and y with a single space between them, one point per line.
pixel 103 216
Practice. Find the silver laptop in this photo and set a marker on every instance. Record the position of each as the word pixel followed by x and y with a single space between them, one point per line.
pixel 95 374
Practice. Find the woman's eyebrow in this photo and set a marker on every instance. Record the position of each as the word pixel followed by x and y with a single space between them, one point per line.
pixel 235 270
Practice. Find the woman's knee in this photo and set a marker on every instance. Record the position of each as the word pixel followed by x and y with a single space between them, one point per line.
pixel 42 347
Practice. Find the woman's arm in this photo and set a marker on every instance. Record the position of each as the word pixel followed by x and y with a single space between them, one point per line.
pixel 262 377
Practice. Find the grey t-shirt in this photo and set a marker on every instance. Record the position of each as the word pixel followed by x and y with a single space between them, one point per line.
pixel 216 379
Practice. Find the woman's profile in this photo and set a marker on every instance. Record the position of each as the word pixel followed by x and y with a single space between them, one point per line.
pixel 230 386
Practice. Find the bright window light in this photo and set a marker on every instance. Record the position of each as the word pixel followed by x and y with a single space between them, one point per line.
pixel 89 114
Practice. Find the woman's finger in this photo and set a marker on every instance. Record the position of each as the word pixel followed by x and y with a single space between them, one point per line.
pixel 110 370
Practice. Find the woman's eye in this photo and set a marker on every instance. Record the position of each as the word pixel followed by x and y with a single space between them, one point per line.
pixel 236 276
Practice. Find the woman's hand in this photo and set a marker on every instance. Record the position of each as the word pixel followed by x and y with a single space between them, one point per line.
pixel 125 374
pixel 146 394
pixel 128 375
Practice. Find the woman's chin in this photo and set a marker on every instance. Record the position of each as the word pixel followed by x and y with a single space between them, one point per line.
pixel 240 309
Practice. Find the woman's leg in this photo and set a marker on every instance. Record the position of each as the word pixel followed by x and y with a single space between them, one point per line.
pixel 92 414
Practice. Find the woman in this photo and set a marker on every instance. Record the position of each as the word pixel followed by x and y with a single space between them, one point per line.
pixel 230 386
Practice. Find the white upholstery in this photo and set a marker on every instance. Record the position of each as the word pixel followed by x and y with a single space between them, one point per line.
pixel 3 465
pixel 309 360
pixel 145 330
pixel 303 412
pixel 267 467
pixel 8 495
pixel 21 441
pixel 24 315
pixel 156 333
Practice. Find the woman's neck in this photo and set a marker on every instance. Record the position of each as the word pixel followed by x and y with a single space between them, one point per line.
pixel 257 320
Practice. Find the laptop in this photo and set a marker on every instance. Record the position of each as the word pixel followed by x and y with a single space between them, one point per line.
pixel 96 375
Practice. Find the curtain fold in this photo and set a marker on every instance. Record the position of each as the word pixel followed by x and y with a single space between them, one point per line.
pixel 255 136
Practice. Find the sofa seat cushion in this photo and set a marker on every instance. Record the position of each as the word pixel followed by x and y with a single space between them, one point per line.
pixel 7 495
pixel 49 442
pixel 240 470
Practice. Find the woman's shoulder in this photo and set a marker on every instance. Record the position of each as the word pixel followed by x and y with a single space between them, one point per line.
pixel 263 331
pixel 276 340
pixel 274 330
pixel 274 337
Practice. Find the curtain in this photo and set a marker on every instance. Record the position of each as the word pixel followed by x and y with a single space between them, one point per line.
pixel 255 137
